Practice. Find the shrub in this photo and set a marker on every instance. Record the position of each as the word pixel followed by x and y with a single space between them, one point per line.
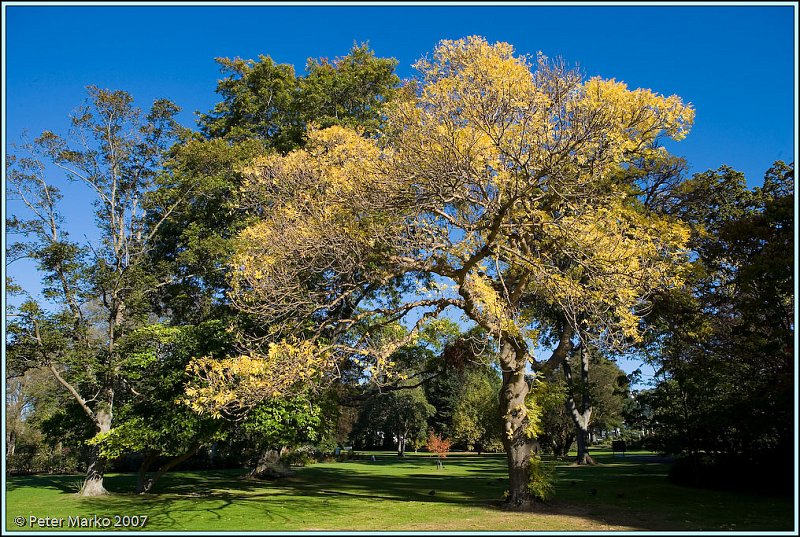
pixel 300 457
pixel 541 479
pixel 437 444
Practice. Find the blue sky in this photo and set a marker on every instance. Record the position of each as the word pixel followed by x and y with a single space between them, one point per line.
pixel 735 64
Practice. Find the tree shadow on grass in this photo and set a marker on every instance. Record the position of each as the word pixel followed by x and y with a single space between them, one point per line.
pixel 270 505
pixel 617 493
pixel 66 483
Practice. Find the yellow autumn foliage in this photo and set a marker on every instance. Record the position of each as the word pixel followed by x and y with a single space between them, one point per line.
pixel 503 176
pixel 231 386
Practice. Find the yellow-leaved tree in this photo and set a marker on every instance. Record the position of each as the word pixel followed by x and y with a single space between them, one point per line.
pixel 497 187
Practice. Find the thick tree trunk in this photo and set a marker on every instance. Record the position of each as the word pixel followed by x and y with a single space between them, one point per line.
pixel 93 486
pixel 270 466
pixel 11 444
pixel 583 456
pixel 562 445
pixel 580 417
pixel 515 419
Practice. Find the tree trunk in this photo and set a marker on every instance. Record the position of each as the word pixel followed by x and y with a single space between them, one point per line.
pixel 401 444
pixel 11 444
pixel 583 456
pixel 142 484
pixel 580 417
pixel 93 485
pixel 145 485
pixel 270 466
pixel 562 444
pixel 515 420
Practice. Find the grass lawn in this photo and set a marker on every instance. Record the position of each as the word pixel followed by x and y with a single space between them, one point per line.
pixel 407 494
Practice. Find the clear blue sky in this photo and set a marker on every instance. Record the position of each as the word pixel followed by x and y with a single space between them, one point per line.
pixel 736 64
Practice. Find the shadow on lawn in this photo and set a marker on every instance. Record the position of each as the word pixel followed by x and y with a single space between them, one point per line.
pixel 616 492
pixel 66 483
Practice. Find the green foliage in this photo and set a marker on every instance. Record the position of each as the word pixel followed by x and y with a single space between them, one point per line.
pixel 44 430
pixel 257 102
pixel 439 333
pixel 723 341
pixel 129 437
pixel 154 359
pixel 541 483
pixel 201 185
pixel 266 101
pixel 403 413
pixel 349 91
pixel 557 428
pixel 284 422
pixel 608 390
pixel 462 356
pixel 475 419
pixel 300 456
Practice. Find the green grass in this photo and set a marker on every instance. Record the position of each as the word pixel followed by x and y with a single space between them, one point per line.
pixel 395 494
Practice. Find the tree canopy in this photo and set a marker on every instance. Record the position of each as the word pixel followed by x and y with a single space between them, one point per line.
pixel 337 254
pixel 495 188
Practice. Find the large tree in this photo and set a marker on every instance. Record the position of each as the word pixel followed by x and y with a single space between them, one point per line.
pixel 267 101
pixel 98 291
pixel 722 342
pixel 493 190
pixel 265 106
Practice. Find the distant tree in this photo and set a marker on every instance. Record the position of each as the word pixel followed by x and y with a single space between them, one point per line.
pixel 408 417
pixel 637 413
pixel 558 428
pixel 608 387
pixel 461 355
pixel 32 399
pixel 401 414
pixel 475 412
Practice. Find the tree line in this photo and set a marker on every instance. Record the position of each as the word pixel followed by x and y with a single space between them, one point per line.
pixel 290 271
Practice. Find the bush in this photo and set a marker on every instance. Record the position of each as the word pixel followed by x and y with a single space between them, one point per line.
pixel 300 456
pixel 541 480
pixel 41 458
pixel 493 446
pixel 437 444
